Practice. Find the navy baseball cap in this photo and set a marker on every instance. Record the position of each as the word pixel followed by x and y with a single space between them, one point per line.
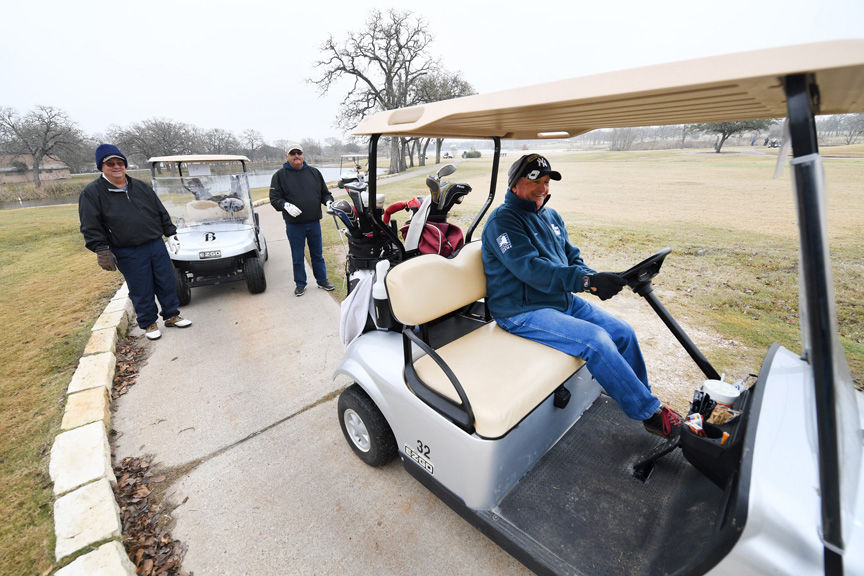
pixel 531 166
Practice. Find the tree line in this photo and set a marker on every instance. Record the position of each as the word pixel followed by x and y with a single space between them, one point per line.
pixel 48 131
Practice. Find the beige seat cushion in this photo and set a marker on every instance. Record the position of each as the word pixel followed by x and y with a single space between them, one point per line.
pixel 203 210
pixel 504 376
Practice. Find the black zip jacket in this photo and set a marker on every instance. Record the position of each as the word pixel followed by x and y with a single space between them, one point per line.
pixel 111 217
pixel 304 188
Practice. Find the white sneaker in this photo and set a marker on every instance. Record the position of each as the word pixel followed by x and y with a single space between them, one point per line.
pixel 177 322
pixel 152 332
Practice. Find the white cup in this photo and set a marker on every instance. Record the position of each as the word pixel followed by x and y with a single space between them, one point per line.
pixel 721 392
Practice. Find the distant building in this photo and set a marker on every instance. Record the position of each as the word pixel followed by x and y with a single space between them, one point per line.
pixel 18 169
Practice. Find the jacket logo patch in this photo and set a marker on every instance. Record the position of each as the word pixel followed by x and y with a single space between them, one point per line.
pixel 556 229
pixel 504 242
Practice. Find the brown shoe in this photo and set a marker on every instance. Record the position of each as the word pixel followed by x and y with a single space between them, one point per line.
pixel 152 332
pixel 177 322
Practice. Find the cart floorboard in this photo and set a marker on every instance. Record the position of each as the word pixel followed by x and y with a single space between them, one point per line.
pixel 582 501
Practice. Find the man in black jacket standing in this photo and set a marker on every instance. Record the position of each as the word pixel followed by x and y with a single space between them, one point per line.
pixel 123 222
pixel 298 191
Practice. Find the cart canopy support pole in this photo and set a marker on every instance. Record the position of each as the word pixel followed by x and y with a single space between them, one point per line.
pixel 802 100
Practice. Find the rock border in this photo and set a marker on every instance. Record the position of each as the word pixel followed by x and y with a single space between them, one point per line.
pixel 86 513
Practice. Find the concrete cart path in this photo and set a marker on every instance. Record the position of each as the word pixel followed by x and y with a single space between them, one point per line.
pixel 242 407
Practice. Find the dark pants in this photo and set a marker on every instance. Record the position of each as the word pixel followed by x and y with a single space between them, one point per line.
pixel 149 274
pixel 298 234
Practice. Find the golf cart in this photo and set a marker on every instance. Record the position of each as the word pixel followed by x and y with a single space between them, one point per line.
pixel 521 441
pixel 350 169
pixel 209 201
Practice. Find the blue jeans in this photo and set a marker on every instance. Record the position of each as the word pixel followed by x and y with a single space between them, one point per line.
pixel 298 234
pixel 149 274
pixel 606 344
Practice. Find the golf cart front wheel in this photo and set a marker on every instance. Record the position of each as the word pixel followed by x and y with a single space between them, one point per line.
pixel 365 428
pixel 254 272
pixel 184 291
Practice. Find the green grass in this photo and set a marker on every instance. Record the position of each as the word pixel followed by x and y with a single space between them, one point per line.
pixel 732 270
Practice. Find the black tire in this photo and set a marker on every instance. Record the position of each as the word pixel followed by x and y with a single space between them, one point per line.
pixel 254 272
pixel 365 428
pixel 184 291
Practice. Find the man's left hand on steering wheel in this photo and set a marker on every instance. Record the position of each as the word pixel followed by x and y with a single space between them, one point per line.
pixel 605 285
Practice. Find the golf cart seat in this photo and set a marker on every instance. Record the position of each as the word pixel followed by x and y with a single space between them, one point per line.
pixel 502 377
pixel 203 210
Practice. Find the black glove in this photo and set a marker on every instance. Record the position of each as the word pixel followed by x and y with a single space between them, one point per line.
pixel 106 260
pixel 603 284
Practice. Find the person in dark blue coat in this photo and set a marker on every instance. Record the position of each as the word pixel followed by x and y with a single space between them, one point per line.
pixel 123 222
pixel 532 272
pixel 298 191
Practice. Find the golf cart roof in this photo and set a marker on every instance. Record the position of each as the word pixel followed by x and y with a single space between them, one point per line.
pixel 199 158
pixel 732 87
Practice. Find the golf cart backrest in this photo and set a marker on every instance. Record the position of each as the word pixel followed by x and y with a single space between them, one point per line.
pixel 486 381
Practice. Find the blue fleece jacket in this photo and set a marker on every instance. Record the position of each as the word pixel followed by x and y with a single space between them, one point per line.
pixel 528 259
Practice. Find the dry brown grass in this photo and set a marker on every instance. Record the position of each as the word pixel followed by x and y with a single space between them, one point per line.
pixel 51 291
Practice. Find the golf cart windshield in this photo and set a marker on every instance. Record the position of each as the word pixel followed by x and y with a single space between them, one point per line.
pixel 201 191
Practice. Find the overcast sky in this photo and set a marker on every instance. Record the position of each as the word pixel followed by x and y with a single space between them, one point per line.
pixel 245 64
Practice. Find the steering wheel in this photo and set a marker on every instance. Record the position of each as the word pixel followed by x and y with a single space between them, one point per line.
pixel 640 275
pixel 231 205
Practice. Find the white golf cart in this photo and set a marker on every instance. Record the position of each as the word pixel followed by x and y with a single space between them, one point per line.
pixel 521 441
pixel 209 201
pixel 351 168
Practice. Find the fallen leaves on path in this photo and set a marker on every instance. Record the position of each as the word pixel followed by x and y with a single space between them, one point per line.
pixel 130 356
pixel 146 537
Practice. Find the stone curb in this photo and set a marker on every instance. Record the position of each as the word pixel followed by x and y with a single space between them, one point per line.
pixel 86 514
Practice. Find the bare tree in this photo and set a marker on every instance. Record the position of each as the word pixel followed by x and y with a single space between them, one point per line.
pixel 251 140
pixel 220 141
pixel 440 85
pixel 622 139
pixel 386 59
pixel 851 127
pixel 42 132
pixel 726 129
pixel 283 144
pixel 155 137
pixel 79 157
pixel 311 148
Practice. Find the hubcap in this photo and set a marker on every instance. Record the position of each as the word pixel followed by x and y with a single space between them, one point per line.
pixel 357 430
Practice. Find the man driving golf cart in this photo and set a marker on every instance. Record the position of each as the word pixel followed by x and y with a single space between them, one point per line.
pixel 532 271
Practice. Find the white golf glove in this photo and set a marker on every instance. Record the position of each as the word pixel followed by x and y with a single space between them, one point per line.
pixel 174 244
pixel 292 209
pixel 329 206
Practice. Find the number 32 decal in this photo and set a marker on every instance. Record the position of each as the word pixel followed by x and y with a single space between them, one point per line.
pixel 423 449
